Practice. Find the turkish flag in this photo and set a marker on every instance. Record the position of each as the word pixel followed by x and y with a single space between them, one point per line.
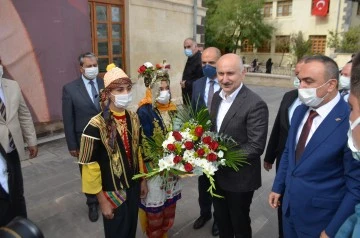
pixel 320 7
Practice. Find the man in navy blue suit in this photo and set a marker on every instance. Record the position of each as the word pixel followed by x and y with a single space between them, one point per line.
pixel 80 102
pixel 203 91
pixel 317 176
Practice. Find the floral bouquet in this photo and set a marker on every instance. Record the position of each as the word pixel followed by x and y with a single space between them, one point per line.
pixel 192 148
pixel 146 71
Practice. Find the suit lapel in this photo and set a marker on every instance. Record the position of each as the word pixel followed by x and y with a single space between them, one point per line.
pixel 5 88
pixel 325 129
pixel 234 108
pixel 289 101
pixel 202 92
pixel 84 93
pixel 215 109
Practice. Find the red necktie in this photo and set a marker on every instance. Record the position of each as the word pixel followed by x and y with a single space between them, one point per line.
pixel 304 135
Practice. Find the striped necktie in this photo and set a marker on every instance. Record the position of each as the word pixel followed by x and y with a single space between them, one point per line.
pixel 3 114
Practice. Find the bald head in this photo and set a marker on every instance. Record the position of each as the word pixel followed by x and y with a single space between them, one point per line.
pixel 346 70
pixel 190 44
pixel 230 72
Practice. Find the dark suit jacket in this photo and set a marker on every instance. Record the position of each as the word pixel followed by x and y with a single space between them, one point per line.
pixel 247 123
pixel 324 186
pixel 77 109
pixel 280 129
pixel 198 91
pixel 192 72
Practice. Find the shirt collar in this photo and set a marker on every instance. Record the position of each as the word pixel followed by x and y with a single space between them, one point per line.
pixel 325 109
pixel 86 81
pixel 209 79
pixel 232 96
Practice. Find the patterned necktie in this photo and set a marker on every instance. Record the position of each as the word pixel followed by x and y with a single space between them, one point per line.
pixel 304 135
pixel 3 114
pixel 95 95
pixel 210 93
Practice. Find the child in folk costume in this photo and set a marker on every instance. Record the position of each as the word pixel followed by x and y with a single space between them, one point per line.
pixel 109 152
pixel 155 110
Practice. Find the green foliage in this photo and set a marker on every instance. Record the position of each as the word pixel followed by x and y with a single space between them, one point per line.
pixel 229 22
pixel 299 46
pixel 282 46
pixel 348 43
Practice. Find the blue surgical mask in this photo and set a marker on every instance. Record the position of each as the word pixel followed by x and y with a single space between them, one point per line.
pixel 355 151
pixel 188 52
pixel 209 71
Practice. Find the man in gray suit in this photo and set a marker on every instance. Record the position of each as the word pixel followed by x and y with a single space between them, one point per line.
pixel 80 102
pixel 240 113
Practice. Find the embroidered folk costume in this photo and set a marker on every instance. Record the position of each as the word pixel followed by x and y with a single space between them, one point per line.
pixel 109 152
pixel 157 211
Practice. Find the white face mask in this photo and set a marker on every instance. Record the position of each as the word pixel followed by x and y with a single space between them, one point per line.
pixel 164 97
pixel 91 72
pixel 122 100
pixel 344 82
pixel 355 152
pixel 1 71
pixel 309 97
pixel 296 82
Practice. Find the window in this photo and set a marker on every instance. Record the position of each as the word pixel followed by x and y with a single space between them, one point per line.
pixel 282 44
pixel 246 46
pixel 358 9
pixel 268 9
pixel 318 44
pixel 265 47
pixel 284 8
pixel 107 32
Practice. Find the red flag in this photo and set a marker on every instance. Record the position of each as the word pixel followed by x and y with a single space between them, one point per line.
pixel 320 7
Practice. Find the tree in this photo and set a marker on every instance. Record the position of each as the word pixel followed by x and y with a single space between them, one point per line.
pixel 299 46
pixel 348 43
pixel 282 46
pixel 229 22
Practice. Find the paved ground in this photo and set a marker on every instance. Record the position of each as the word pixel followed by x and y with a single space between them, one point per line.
pixel 56 205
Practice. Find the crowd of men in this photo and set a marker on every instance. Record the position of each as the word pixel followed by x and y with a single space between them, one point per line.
pixel 315 142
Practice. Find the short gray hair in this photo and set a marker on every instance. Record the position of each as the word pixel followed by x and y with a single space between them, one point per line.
pixel 86 55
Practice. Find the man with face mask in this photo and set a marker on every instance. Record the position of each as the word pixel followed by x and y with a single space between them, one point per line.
pixel 80 102
pixel 192 70
pixel 203 91
pixel 321 177
pixel 280 130
pixel 344 81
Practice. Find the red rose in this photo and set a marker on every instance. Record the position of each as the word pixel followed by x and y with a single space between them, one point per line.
pixel 188 167
pixel 177 159
pixel 211 157
pixel 199 131
pixel 177 135
pixel 189 145
pixel 200 152
pixel 207 140
pixel 142 69
pixel 214 145
pixel 171 147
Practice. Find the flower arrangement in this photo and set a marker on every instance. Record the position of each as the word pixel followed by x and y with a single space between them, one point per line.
pixel 192 148
pixel 146 71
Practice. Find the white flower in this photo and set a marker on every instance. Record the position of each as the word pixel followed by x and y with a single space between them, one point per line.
pixel 220 154
pixel 222 162
pixel 148 65
pixel 166 162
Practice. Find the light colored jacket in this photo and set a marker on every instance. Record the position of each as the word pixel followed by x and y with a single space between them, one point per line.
pixel 18 118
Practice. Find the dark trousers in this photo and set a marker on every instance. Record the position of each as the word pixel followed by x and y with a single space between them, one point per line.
pixel 205 199
pixel 279 211
pixel 125 218
pixel 91 199
pixel 233 213
pixel 13 204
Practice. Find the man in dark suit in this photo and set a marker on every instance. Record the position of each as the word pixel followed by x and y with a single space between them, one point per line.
pixel 203 92
pixel 80 102
pixel 322 179
pixel 192 70
pixel 279 132
pixel 240 113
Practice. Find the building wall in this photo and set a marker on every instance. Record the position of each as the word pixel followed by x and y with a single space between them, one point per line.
pixel 342 13
pixel 156 31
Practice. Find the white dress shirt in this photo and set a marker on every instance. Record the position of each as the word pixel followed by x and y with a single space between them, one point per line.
pixel 88 86
pixel 207 86
pixel 225 105
pixel 292 108
pixel 3 174
pixel 323 111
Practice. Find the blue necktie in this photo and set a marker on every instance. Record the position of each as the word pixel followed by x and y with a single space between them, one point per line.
pixel 95 95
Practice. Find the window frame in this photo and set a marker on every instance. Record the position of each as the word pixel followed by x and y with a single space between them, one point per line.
pixel 287 3
pixel 268 6
pixel 110 39
pixel 280 37
pixel 247 46
pixel 315 40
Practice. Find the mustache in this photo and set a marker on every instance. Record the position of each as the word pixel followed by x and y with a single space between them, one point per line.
pixel 226 84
